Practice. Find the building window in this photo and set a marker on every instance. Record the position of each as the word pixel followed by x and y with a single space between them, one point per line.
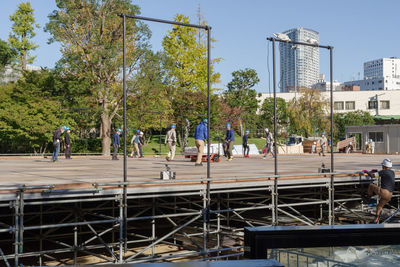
pixel 385 104
pixel 350 105
pixel 376 136
pixel 338 105
pixel 372 104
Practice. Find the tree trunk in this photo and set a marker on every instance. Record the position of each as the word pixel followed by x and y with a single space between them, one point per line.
pixel 23 61
pixel 105 133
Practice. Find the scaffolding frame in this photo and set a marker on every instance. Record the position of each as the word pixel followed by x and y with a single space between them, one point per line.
pixel 51 222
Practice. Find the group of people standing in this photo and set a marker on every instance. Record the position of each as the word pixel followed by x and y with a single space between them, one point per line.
pixel 57 142
pixel 201 135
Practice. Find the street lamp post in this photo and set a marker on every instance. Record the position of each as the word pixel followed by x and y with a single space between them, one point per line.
pixel 283 38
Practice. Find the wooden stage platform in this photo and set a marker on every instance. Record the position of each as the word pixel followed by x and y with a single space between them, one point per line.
pixel 83 172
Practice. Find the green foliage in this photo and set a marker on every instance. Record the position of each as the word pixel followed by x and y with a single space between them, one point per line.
pixel 30 110
pixel 241 95
pixel 307 114
pixel 358 117
pixel 266 117
pixel 7 54
pixel 148 94
pixel 187 58
pixel 22 32
pixel 27 118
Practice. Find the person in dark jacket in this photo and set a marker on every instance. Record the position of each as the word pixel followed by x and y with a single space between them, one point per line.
pixel 230 141
pixel 116 144
pixel 385 191
pixel 200 136
pixel 67 140
pixel 246 148
pixel 56 142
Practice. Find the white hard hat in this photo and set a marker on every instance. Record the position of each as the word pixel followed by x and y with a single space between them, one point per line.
pixel 266 129
pixel 141 133
pixel 387 163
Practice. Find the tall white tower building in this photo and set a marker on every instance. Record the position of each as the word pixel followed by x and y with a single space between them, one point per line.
pixel 299 64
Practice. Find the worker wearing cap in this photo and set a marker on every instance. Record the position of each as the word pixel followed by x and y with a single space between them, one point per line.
pixel 230 141
pixel 67 140
pixel 170 139
pixel 386 189
pixel 116 144
pixel 323 142
pixel 200 136
pixel 56 142
pixel 246 148
pixel 269 140
pixel 135 144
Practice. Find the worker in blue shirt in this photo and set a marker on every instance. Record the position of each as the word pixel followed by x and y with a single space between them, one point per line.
pixel 200 136
pixel 116 144
pixel 230 141
pixel 246 148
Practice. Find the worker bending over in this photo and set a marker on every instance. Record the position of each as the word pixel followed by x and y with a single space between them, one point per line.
pixel 386 189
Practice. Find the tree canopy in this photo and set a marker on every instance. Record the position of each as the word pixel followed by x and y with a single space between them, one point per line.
pixel 22 31
pixel 242 95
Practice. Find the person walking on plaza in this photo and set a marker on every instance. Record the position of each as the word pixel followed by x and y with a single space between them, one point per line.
pixel 230 141
pixel 200 136
pixel 269 140
pixel 246 148
pixel 116 144
pixel 67 140
pixel 323 142
pixel 385 191
pixel 135 144
pixel 170 139
pixel 141 144
pixel 56 142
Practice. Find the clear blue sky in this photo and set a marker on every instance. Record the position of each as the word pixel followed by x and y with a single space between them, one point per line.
pixel 360 30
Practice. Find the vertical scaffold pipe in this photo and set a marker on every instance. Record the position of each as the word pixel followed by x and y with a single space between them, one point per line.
pixel 125 222
pixel 16 230
pixel 275 189
pixel 208 195
pixel 332 187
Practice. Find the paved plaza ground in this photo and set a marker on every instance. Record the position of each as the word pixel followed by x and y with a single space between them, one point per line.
pixel 41 171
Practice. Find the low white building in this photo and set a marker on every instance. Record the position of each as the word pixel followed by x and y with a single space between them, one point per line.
pixel 385 137
pixel 375 102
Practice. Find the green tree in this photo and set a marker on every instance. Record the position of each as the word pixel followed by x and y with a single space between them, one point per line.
pixel 7 54
pixel 22 32
pixel 308 114
pixel 358 117
pixel 28 116
pixel 241 95
pixel 266 117
pixel 187 58
pixel 148 94
pixel 90 33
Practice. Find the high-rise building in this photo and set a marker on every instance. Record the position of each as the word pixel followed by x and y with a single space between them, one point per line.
pixel 299 63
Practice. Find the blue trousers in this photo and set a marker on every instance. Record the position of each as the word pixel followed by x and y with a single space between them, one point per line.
pixel 56 151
